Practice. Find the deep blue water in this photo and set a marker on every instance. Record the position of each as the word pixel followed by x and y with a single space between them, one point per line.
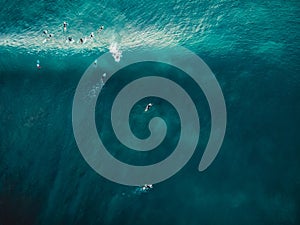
pixel 252 47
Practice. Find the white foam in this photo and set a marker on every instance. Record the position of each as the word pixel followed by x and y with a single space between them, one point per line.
pixel 115 51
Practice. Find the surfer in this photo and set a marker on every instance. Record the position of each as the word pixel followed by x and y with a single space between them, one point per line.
pixel 148 107
pixel 147 187
pixel 65 26
pixel 70 39
pixel 101 28
pixel 38 64
pixel 45 32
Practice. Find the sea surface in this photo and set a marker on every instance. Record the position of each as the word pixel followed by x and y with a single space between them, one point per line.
pixel 253 49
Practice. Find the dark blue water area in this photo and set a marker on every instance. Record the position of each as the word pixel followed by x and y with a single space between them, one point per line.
pixel 139 120
pixel 255 177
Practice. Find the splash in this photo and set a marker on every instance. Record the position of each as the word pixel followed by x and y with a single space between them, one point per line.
pixel 115 51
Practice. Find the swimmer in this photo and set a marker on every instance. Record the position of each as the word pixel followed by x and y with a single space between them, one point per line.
pixel 45 32
pixel 50 35
pixel 148 107
pixel 92 35
pixel 38 64
pixel 65 26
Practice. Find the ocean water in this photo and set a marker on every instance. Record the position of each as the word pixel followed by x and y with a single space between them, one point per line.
pixel 252 47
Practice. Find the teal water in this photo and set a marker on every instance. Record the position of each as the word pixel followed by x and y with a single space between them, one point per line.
pixel 251 46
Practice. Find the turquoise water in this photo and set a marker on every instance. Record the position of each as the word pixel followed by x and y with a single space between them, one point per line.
pixel 251 46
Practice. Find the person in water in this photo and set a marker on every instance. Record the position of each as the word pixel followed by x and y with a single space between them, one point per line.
pixel 147 187
pixel 148 107
pixel 65 26
pixel 92 35
pixel 45 32
pixel 38 64
pixel 70 39
pixel 101 28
